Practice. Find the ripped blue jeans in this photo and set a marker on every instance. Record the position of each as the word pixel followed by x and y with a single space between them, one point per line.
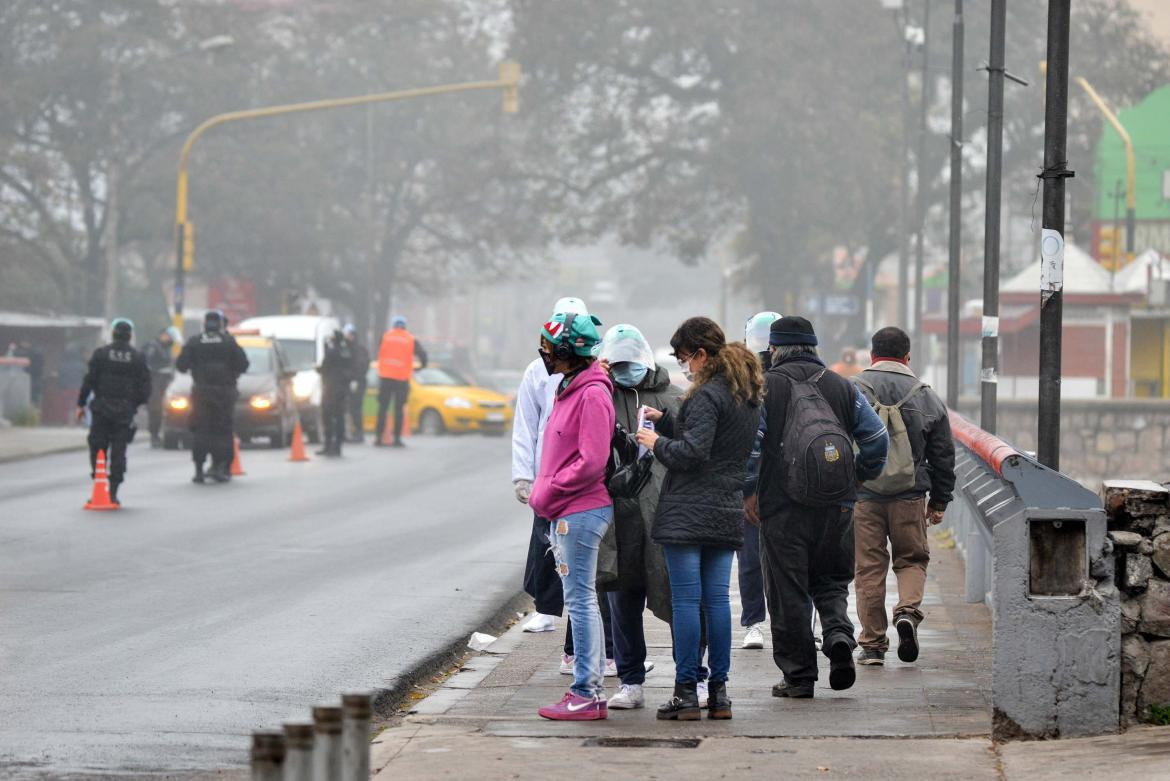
pixel 575 541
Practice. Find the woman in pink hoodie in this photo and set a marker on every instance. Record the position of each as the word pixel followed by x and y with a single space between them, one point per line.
pixel 570 490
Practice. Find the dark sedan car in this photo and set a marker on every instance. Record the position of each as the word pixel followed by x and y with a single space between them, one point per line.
pixel 265 407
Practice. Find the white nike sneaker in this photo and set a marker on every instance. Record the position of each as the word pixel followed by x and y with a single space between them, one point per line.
pixel 610 668
pixel 540 623
pixel 701 691
pixel 567 667
pixel 649 665
pixel 629 697
pixel 754 637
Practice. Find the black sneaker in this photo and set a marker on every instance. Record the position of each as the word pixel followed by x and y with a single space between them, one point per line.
pixel 869 656
pixel 907 638
pixel 842 673
pixel 794 691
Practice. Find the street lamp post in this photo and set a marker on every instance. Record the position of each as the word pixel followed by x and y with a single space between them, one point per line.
pixel 956 205
pixel 989 373
pixel 508 82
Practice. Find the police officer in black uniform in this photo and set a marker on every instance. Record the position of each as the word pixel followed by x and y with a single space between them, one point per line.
pixel 120 382
pixel 215 362
pixel 357 385
pixel 336 373
pixel 161 363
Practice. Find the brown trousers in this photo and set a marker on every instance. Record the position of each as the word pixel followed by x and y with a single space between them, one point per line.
pixel 903 523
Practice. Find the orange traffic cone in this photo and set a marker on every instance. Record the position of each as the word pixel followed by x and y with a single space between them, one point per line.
pixel 100 500
pixel 237 467
pixel 297 451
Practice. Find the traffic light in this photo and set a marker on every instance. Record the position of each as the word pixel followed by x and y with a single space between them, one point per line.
pixel 188 246
pixel 1109 247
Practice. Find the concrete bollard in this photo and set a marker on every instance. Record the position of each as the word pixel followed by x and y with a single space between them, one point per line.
pixel 327 748
pixel 298 757
pixel 267 755
pixel 355 736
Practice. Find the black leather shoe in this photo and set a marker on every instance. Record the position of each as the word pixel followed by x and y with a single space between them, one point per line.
pixel 792 691
pixel 683 706
pixel 718 703
pixel 842 672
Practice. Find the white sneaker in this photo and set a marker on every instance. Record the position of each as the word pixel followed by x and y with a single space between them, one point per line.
pixel 540 623
pixel 567 667
pixel 629 697
pixel 701 691
pixel 754 637
pixel 649 665
pixel 610 668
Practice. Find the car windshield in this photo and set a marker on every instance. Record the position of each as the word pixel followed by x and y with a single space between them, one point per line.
pixel 301 353
pixel 259 360
pixel 435 376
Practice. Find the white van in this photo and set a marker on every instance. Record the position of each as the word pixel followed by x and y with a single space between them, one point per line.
pixel 303 338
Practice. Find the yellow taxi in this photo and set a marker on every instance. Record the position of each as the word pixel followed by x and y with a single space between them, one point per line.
pixel 443 400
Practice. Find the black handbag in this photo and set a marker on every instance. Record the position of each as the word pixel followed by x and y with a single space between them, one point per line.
pixel 627 473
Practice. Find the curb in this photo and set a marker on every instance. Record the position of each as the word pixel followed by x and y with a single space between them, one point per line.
pixel 388 699
pixel 50 452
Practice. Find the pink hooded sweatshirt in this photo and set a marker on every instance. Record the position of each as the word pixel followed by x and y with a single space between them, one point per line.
pixel 576 448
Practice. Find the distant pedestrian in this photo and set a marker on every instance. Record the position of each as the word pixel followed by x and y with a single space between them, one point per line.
pixel 336 372
pixel 160 360
pixel 119 381
pixel 570 491
pixel 642 580
pixel 894 508
pixel 215 362
pixel 699 520
pixel 358 385
pixel 396 357
pixel 847 367
pixel 806 491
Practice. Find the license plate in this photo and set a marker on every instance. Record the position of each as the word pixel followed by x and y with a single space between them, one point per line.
pixel 494 417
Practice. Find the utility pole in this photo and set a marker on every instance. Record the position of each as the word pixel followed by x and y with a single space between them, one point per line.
pixel 989 374
pixel 904 185
pixel 922 176
pixel 956 217
pixel 1052 238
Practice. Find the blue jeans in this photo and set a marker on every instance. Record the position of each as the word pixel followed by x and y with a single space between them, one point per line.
pixel 576 539
pixel 700 583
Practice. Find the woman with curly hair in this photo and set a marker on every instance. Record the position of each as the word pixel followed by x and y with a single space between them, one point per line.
pixel 698 524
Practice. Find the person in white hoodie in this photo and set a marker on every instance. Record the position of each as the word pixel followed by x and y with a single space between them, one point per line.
pixel 534 402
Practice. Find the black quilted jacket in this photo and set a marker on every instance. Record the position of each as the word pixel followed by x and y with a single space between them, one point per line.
pixel 705 449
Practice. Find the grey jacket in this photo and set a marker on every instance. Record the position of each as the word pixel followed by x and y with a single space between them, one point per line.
pixel 927 425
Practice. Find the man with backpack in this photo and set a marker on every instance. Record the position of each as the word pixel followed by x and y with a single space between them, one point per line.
pixel 894 506
pixel 804 502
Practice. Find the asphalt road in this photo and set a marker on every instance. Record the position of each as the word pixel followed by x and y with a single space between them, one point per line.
pixel 158 637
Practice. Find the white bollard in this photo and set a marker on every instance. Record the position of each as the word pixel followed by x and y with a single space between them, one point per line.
pixel 327 747
pixel 267 755
pixel 298 756
pixel 355 736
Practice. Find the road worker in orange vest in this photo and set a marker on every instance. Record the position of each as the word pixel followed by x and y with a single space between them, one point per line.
pixel 396 358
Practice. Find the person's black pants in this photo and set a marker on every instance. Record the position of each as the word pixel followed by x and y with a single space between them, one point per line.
pixel 333 403
pixel 808 552
pixel 154 406
pixel 213 426
pixel 396 391
pixel 111 436
pixel 219 445
pixel 629 634
pixel 606 628
pixel 751 578
pixel 357 400
pixel 541 581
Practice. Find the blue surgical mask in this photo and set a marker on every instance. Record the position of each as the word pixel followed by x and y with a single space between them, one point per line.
pixel 629 374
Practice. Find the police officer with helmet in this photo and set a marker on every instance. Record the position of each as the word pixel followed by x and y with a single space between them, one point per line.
pixel 119 381
pixel 216 362
pixel 336 372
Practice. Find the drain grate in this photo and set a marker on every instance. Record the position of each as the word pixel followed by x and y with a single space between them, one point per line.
pixel 644 742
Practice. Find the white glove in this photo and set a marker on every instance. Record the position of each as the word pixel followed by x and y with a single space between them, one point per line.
pixel 523 490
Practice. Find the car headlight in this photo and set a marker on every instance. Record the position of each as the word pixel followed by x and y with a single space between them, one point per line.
pixel 262 401
pixel 303 385
pixel 457 402
pixel 179 403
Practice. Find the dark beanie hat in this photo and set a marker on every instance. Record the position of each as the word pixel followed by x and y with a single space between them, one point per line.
pixel 791 330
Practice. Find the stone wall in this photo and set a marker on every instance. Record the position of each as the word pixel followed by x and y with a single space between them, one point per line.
pixel 1138 513
pixel 1100 438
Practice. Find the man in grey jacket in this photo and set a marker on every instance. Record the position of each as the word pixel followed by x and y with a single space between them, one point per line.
pixel 899 510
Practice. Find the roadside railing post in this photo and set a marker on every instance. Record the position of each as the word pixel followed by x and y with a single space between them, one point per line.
pixel 267 755
pixel 327 746
pixel 298 758
pixel 355 736
pixel 976 588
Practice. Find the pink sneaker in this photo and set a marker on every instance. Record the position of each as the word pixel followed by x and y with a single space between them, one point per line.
pixel 574 708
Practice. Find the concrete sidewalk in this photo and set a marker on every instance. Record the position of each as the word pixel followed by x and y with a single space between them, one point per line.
pixel 929 720
pixel 19 442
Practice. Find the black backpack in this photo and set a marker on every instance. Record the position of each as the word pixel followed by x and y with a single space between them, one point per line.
pixel 817 451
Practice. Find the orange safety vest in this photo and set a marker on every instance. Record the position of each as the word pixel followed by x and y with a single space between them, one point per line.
pixel 396 355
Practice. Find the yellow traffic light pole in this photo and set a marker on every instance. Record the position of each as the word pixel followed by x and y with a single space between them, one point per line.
pixel 509 82
pixel 1130 165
